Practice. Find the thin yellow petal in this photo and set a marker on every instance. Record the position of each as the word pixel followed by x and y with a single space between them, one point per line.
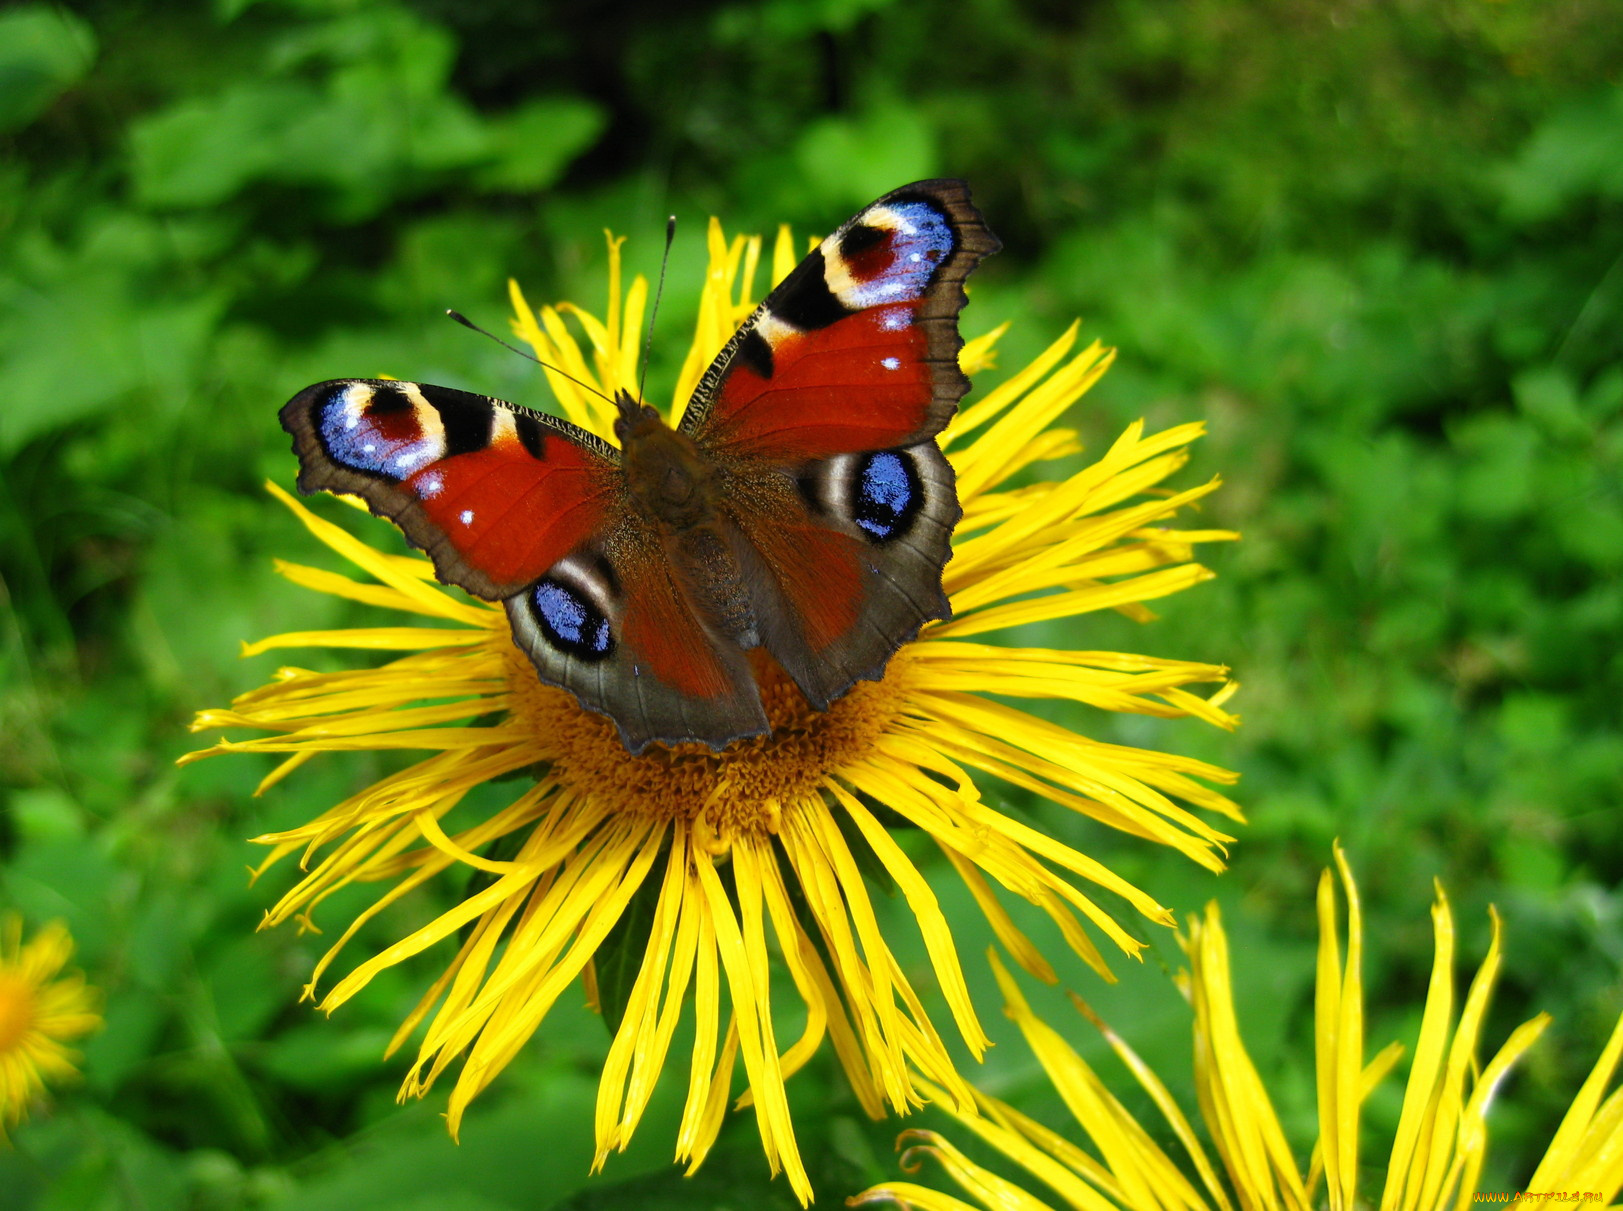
pixel 1412 1146
pixel 1471 1143
pixel 908 1196
pixel 988 1187
pixel 742 951
pixel 783 254
pixel 424 599
pixel 1147 1177
pixel 927 911
pixel 1162 1097
pixel 1244 1126
pixel 1020 947
pixel 690 1135
pixel 1574 1145
pixel 1339 1037
pixel 985 409
pixel 639 1021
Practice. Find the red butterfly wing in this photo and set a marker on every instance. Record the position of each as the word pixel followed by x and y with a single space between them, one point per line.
pixel 612 624
pixel 512 504
pixel 494 494
pixel 844 560
pixel 822 409
pixel 857 349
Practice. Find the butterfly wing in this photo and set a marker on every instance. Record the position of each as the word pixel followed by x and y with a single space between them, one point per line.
pixel 845 565
pixel 493 493
pixel 520 507
pixel 643 657
pixel 821 411
pixel 857 349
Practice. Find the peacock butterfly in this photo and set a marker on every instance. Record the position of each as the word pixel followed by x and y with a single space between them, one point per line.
pixel 801 505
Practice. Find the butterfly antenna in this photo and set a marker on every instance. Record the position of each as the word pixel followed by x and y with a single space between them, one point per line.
pixel 659 291
pixel 467 323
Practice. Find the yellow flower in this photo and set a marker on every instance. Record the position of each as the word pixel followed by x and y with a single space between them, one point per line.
pixel 39 1011
pixel 718 859
pixel 1434 1160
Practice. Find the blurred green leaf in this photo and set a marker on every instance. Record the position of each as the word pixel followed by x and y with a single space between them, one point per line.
pixel 200 152
pixel 323 1055
pixel 846 161
pixel 242 981
pixel 44 51
pixel 1534 724
pixel 789 19
pixel 1549 396
pixel 1576 151
pixel 374 119
pixel 45 813
pixel 133 1022
pixel 86 332
pixel 531 146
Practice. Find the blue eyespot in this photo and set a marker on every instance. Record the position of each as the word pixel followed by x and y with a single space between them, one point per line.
pixel 375 430
pixel 570 621
pixel 921 241
pixel 887 495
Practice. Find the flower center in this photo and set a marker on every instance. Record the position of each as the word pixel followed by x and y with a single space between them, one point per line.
pixel 741 789
pixel 16 1012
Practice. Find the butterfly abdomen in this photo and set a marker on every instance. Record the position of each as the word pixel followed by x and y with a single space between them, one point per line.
pixel 713 582
pixel 676 488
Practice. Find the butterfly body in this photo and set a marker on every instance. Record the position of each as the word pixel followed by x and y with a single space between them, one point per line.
pixel 801 505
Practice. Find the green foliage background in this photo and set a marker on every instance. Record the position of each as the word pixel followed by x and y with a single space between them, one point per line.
pixel 1379 248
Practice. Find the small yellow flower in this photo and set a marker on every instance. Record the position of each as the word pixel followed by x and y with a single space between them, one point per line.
pixel 723 858
pixel 1433 1162
pixel 40 1010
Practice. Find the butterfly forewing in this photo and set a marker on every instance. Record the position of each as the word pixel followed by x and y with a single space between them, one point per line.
pixel 494 494
pixel 857 349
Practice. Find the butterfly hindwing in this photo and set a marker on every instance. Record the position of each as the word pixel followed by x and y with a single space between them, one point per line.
pixel 612 624
pixel 495 494
pixel 848 565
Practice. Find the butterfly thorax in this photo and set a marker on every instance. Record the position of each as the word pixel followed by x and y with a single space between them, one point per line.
pixel 666 474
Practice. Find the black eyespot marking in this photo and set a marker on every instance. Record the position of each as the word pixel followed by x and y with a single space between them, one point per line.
pixel 808 484
pixel 466 429
pixel 861 238
pixel 886 495
pixel 755 353
pixel 570 621
pixel 530 435
pixel 385 400
pixel 606 575
pixel 806 301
